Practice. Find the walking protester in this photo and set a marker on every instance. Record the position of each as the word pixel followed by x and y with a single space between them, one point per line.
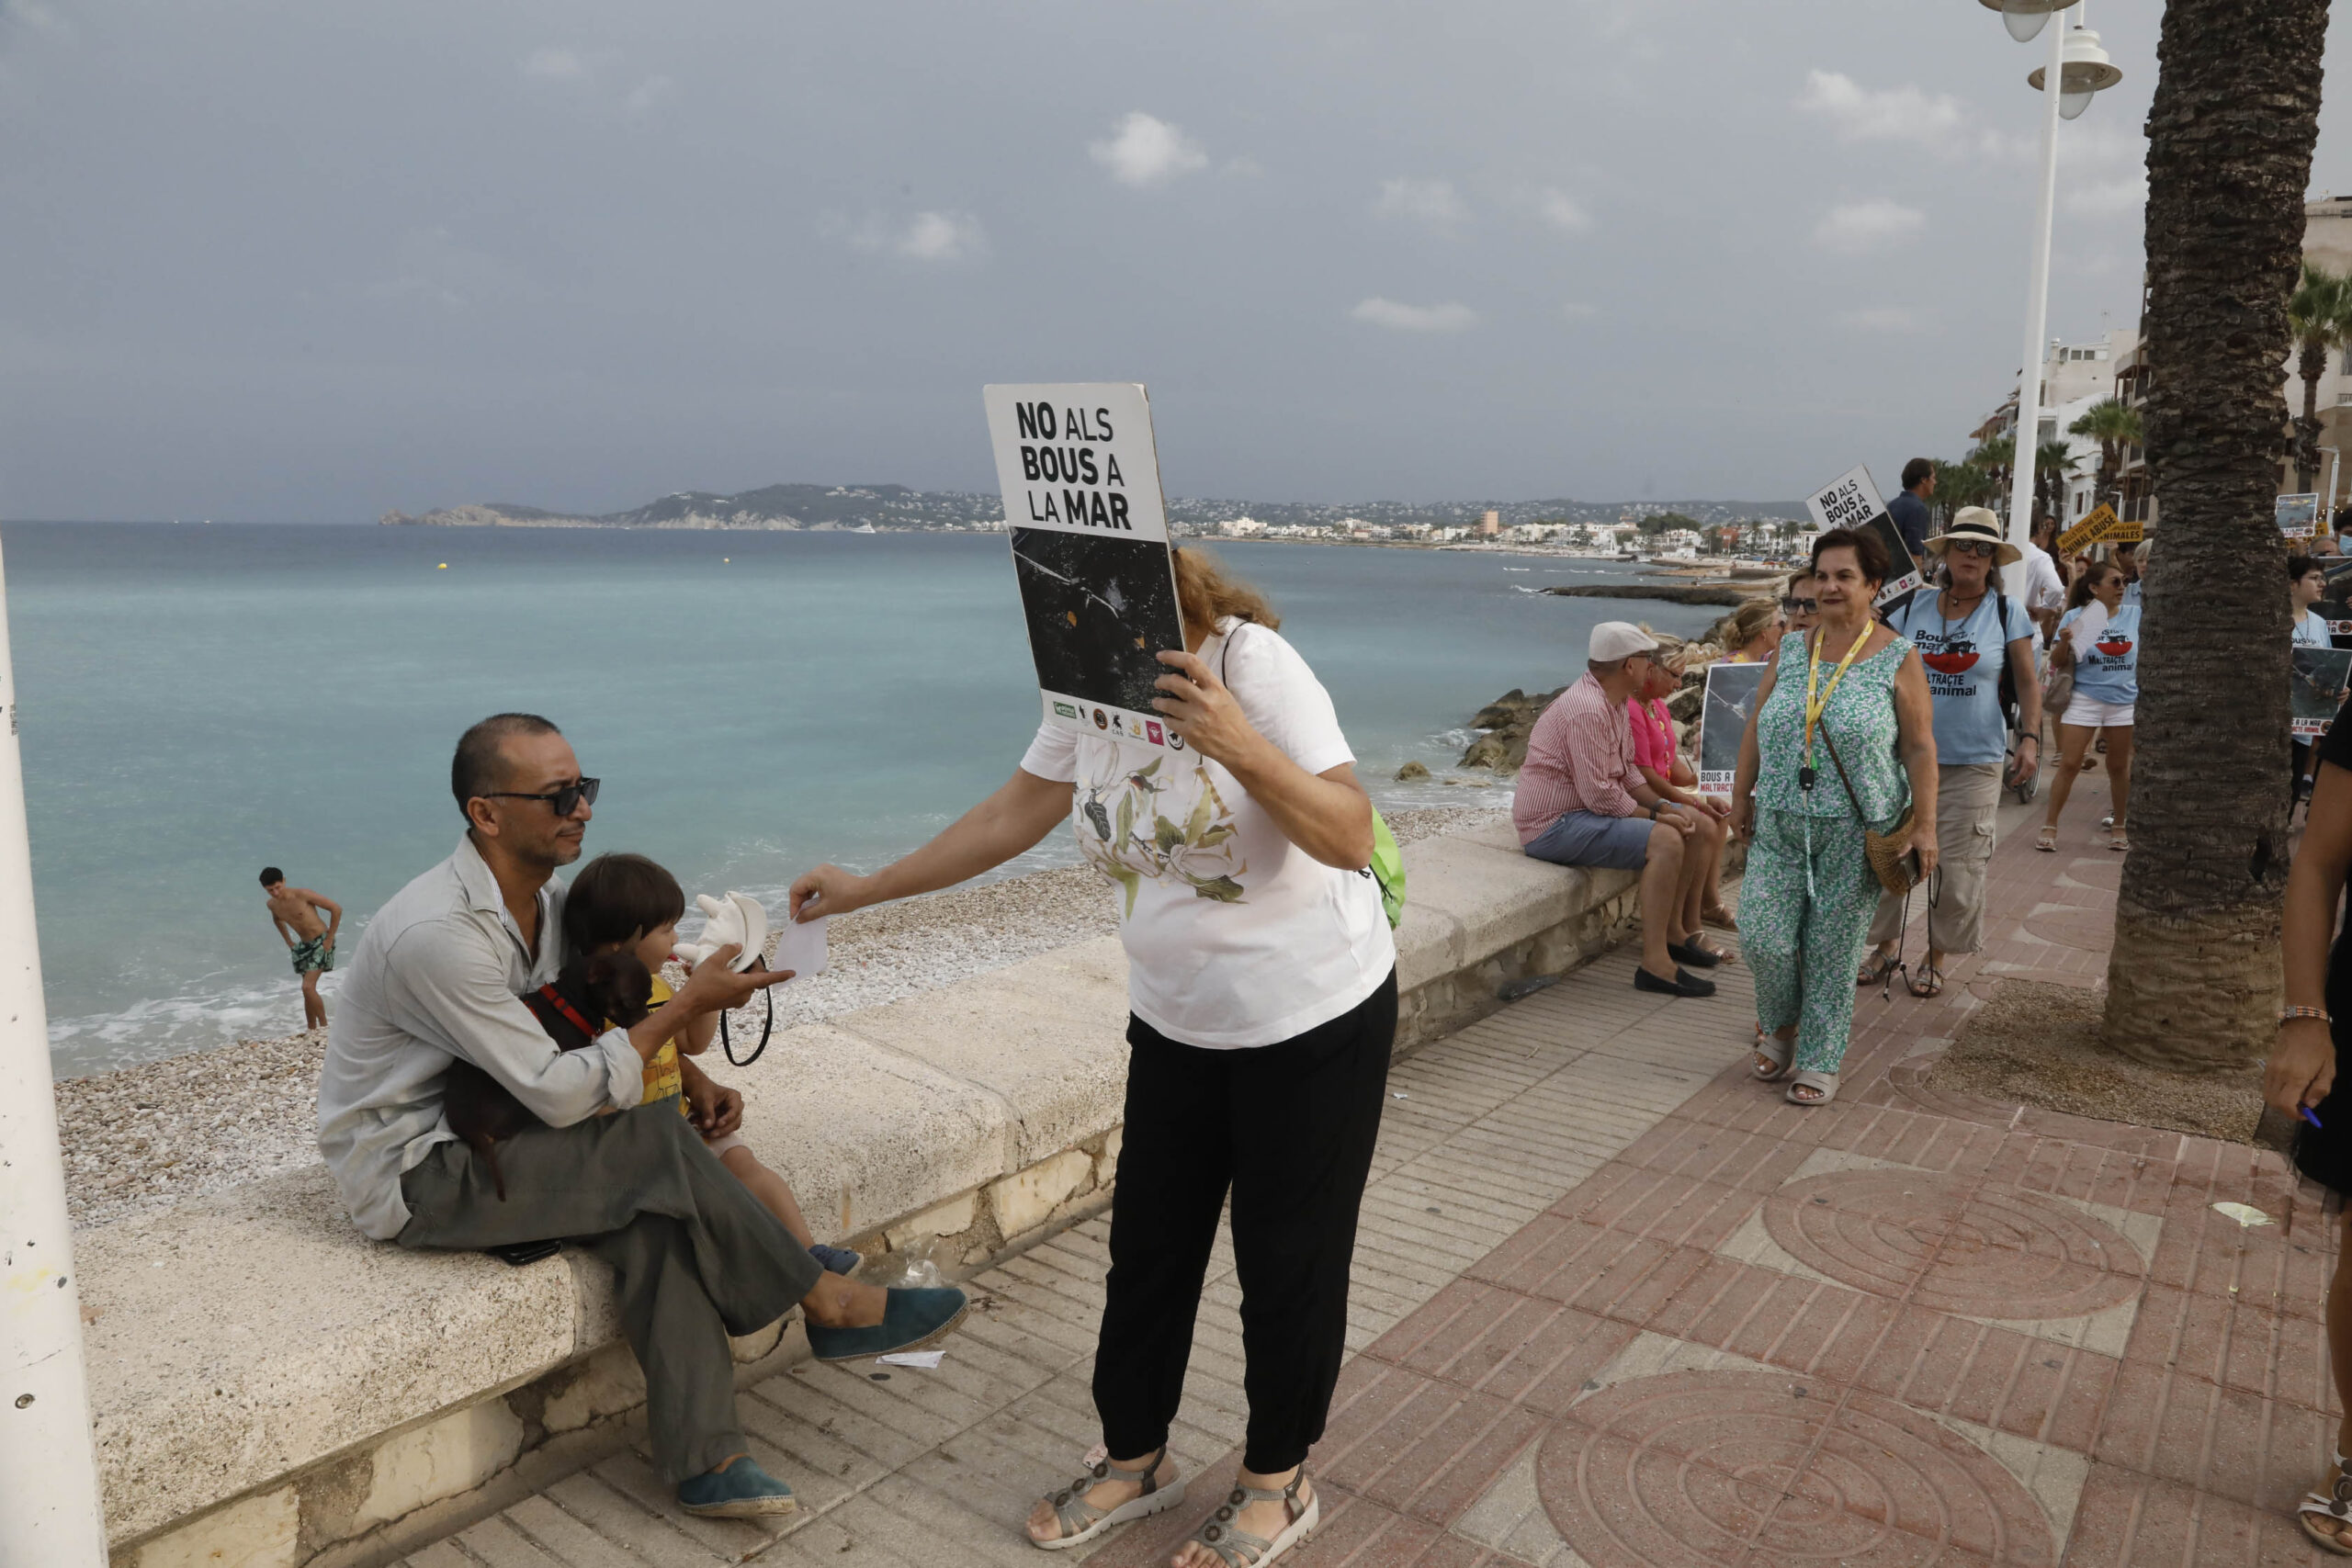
pixel 2306 586
pixel 1262 989
pixel 438 977
pixel 1817 772
pixel 1909 510
pixel 1582 801
pixel 2301 1077
pixel 294 912
pixel 1799 609
pixel 2098 643
pixel 1668 772
pixel 1755 632
pixel 2045 588
pixel 1968 636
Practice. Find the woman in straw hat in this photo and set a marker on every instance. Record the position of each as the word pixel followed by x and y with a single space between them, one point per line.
pixel 1967 636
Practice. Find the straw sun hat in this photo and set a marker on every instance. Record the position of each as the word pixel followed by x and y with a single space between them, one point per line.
pixel 1976 523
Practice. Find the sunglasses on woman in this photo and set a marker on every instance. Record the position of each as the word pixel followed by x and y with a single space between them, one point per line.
pixel 565 801
pixel 1974 547
pixel 1799 607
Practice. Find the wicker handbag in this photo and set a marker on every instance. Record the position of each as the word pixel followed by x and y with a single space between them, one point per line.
pixel 1891 854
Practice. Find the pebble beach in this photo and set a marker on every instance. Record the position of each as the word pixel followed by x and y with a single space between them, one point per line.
pixel 148 1137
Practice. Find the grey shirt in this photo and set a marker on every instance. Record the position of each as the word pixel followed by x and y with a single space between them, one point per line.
pixel 439 974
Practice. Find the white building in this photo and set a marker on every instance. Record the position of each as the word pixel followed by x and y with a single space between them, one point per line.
pixel 1241 528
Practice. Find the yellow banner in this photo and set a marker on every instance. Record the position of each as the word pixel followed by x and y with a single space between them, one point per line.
pixel 2125 533
pixel 2099 525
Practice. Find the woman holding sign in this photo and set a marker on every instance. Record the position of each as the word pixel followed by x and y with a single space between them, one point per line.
pixel 1817 772
pixel 1262 989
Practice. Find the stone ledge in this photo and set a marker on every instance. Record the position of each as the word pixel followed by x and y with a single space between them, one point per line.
pixel 265 1381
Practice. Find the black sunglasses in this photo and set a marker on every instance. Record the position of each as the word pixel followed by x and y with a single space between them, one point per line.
pixel 1800 606
pixel 1974 547
pixel 565 800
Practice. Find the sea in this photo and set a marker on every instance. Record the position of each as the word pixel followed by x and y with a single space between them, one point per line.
pixel 198 701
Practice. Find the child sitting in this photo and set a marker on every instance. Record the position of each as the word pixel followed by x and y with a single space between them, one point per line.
pixel 627 903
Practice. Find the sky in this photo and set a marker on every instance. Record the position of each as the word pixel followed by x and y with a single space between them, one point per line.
pixel 279 261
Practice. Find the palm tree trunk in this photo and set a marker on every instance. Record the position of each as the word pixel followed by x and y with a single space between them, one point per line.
pixel 2195 972
pixel 2312 365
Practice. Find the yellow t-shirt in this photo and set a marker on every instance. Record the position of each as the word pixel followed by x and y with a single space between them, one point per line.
pixel 662 1080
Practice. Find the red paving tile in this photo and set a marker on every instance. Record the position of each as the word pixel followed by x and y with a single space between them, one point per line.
pixel 1851 1445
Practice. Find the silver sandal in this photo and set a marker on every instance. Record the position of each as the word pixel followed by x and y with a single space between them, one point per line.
pixel 1082 1521
pixel 1824 1084
pixel 1230 1544
pixel 1782 1052
pixel 2334 1506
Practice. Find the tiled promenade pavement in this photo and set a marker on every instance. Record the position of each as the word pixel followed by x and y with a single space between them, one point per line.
pixel 1616 1304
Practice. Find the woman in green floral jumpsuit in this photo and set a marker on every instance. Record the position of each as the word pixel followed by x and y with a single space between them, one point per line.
pixel 1808 895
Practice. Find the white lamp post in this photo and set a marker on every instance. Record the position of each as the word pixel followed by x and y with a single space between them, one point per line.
pixel 2082 69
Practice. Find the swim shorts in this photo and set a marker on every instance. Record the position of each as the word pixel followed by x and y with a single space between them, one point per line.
pixel 313 954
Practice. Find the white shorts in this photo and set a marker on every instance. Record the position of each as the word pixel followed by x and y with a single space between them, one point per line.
pixel 2090 712
pixel 720 1146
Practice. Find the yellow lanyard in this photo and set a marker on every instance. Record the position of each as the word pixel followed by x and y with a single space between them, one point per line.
pixel 1812 706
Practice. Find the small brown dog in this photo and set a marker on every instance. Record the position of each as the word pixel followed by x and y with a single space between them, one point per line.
pixel 612 988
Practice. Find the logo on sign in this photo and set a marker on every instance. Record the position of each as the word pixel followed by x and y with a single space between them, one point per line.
pixel 1066 710
pixel 1152 730
pixel 1101 722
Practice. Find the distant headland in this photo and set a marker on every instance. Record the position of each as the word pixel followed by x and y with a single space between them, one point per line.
pixel 878 508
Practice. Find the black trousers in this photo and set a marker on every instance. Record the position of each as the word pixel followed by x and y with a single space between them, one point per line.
pixel 1289 1128
pixel 695 1257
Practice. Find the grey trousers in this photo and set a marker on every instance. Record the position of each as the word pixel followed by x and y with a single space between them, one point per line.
pixel 695 1257
pixel 1968 795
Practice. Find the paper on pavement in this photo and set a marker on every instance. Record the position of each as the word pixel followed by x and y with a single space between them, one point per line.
pixel 928 1360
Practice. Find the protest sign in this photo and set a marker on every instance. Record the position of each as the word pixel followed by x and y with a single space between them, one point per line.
pixel 1723 720
pixel 2335 605
pixel 1852 501
pixel 1080 479
pixel 2099 525
pixel 2298 515
pixel 2320 680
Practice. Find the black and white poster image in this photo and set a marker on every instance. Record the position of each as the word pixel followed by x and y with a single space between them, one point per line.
pixel 2321 679
pixel 1081 480
pixel 2335 605
pixel 2298 515
pixel 1723 720
pixel 1851 501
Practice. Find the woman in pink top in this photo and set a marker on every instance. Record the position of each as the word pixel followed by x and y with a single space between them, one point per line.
pixel 1664 769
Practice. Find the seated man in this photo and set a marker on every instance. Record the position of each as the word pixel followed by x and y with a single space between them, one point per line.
pixel 437 976
pixel 1582 801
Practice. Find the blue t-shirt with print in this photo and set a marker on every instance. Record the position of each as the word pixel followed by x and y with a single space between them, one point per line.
pixel 1964 659
pixel 2110 672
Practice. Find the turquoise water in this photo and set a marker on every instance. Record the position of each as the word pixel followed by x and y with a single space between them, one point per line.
pixel 201 700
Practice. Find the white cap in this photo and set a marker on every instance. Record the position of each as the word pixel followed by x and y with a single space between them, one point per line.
pixel 1612 640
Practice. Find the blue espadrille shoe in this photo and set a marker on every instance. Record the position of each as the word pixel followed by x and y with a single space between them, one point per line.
pixel 836 1259
pixel 742 1491
pixel 912 1319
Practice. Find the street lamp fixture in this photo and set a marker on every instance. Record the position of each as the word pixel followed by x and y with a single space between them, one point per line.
pixel 2087 71
pixel 2024 18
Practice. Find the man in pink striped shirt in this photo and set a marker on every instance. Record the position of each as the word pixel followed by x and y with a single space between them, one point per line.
pixel 1583 802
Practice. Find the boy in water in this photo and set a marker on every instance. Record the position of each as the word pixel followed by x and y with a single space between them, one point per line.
pixel 627 903
pixel 295 912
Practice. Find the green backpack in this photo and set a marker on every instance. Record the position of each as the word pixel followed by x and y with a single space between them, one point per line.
pixel 1387 868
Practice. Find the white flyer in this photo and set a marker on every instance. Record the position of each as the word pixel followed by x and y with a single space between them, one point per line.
pixel 800 947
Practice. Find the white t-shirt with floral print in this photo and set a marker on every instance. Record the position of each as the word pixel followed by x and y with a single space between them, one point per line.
pixel 1235 936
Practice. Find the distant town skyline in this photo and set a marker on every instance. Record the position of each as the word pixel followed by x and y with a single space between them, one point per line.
pixel 291 264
